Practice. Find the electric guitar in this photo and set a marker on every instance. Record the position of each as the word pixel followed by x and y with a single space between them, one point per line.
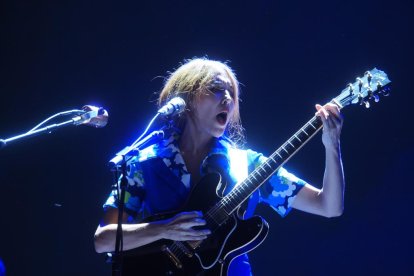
pixel 231 235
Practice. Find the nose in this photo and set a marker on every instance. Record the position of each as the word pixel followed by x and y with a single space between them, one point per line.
pixel 226 97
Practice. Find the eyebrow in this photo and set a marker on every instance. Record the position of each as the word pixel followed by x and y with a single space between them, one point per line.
pixel 218 83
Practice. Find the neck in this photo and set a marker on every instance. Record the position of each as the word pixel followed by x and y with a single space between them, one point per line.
pixel 194 141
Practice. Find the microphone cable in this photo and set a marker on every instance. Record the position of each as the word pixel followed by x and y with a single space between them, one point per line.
pixel 63 113
pixel 146 130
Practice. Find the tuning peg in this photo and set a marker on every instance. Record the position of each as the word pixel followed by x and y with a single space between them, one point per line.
pixel 360 83
pixel 362 101
pixel 360 98
pixel 373 95
pixel 369 77
pixel 365 103
pixel 385 91
pixel 351 89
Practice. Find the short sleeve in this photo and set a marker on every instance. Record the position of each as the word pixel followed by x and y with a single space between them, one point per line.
pixel 134 193
pixel 280 190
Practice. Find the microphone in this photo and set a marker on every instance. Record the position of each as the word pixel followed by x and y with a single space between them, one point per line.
pixel 93 116
pixel 173 107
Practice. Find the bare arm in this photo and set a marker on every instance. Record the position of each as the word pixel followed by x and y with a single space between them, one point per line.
pixel 329 200
pixel 178 227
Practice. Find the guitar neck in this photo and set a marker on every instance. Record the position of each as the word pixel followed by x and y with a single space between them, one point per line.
pixel 374 83
pixel 243 190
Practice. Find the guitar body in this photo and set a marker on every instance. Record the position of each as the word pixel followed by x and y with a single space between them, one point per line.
pixel 212 256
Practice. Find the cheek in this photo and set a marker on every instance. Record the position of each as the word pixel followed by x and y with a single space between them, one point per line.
pixel 206 106
pixel 201 112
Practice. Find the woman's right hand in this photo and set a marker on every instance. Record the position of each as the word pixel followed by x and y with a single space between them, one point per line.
pixel 180 227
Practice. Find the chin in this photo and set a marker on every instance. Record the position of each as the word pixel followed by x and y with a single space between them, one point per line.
pixel 218 133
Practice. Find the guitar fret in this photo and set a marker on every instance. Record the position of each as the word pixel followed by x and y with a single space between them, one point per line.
pixel 312 125
pixel 290 147
pixel 271 158
pixel 279 155
pixel 283 154
pixel 242 194
pixel 226 201
pixel 235 197
pixel 302 136
pixel 263 169
pixel 250 184
pixel 297 138
pixel 233 203
pixel 267 163
pixel 246 193
pixel 229 201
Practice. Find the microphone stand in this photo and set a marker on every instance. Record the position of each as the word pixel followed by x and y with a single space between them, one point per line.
pixel 47 129
pixel 120 161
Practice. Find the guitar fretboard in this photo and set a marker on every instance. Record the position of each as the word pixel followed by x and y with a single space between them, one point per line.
pixel 229 203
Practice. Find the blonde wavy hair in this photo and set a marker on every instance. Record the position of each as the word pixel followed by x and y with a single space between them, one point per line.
pixel 191 80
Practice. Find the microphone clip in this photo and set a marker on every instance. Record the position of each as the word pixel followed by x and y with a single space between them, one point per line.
pixel 93 116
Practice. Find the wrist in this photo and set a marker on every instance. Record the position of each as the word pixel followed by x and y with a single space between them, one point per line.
pixel 157 229
pixel 333 148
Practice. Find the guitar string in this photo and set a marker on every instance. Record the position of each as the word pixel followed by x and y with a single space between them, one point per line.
pixel 241 189
pixel 213 215
pixel 228 199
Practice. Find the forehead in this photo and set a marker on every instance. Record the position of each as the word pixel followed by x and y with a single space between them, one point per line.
pixel 223 78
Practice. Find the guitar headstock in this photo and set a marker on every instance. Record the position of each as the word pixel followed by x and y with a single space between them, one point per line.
pixel 370 87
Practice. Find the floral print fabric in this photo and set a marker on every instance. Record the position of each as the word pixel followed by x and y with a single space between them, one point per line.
pixel 279 191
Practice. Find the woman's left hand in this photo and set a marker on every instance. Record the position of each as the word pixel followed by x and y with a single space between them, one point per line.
pixel 332 124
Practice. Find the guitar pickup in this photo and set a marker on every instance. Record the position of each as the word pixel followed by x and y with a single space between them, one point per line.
pixel 172 256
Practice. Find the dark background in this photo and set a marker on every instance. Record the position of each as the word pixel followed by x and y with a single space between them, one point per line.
pixel 289 55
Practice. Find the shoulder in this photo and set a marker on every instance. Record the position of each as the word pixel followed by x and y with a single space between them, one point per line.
pixel 146 153
pixel 234 151
pixel 164 149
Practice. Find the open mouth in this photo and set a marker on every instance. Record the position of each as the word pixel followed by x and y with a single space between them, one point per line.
pixel 222 118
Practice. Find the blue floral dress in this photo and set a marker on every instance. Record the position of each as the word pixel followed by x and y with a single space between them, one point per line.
pixel 158 181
